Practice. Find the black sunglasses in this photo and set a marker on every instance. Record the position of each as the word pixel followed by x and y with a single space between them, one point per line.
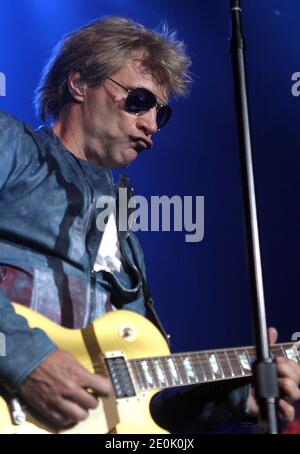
pixel 140 100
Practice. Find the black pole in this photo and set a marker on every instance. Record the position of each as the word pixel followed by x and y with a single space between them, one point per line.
pixel 264 369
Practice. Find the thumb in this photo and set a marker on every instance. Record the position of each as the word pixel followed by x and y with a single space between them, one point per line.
pixel 272 335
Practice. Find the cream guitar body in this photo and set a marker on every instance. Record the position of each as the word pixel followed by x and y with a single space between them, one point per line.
pixel 128 348
pixel 118 331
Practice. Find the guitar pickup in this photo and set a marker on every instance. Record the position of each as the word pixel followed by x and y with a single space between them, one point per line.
pixel 117 367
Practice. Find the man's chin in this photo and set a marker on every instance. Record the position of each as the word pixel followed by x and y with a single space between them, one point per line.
pixel 130 155
pixel 127 158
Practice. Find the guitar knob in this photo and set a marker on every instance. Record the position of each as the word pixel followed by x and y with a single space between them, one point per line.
pixel 128 333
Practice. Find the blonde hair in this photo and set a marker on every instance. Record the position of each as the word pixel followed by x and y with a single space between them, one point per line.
pixel 100 49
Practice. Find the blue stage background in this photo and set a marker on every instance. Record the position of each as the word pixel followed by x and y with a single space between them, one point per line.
pixel 201 289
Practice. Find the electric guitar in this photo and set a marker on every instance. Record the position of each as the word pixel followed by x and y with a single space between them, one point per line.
pixel 131 350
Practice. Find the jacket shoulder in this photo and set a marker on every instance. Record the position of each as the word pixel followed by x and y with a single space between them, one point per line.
pixel 8 123
pixel 16 149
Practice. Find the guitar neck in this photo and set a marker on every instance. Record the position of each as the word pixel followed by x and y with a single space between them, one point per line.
pixel 200 367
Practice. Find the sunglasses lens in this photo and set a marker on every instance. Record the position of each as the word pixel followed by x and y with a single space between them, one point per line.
pixel 163 116
pixel 140 100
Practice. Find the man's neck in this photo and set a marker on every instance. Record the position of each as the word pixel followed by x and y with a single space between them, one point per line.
pixel 69 135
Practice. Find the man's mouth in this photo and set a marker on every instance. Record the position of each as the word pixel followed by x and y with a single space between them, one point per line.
pixel 141 143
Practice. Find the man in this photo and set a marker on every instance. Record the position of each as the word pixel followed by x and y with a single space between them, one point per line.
pixel 105 91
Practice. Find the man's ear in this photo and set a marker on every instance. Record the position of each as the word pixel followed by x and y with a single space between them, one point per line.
pixel 77 86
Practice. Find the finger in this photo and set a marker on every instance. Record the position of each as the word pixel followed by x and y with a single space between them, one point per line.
pixel 99 384
pixel 84 399
pixel 288 368
pixel 286 410
pixel 289 390
pixel 272 335
pixel 57 418
pixel 75 392
pixel 68 412
pixel 63 413
pixel 102 386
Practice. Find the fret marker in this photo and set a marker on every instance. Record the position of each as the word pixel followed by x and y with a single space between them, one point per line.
pixel 173 369
pixel 296 346
pixel 214 364
pixel 292 353
pixel 188 369
pixel 160 375
pixel 148 375
pixel 244 361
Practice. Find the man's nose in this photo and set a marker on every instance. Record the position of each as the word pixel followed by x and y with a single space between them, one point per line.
pixel 147 122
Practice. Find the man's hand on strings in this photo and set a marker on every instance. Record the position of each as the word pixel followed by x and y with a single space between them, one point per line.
pixel 289 381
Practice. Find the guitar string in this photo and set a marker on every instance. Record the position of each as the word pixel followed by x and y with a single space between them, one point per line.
pixel 181 368
pixel 207 375
pixel 143 383
pixel 195 357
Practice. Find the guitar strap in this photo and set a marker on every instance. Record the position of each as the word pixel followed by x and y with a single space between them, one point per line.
pixel 124 183
pixel 151 312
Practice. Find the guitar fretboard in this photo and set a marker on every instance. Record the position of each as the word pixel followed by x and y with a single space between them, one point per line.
pixel 200 367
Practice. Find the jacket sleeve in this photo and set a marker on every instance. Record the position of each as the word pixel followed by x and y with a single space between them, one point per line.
pixel 22 349
pixel 8 131
pixel 201 408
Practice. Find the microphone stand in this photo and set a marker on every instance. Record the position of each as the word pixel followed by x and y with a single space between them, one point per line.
pixel 264 368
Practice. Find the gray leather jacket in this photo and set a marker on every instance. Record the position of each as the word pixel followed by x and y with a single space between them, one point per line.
pixel 48 234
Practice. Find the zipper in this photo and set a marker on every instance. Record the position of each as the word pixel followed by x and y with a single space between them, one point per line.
pixel 93 275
